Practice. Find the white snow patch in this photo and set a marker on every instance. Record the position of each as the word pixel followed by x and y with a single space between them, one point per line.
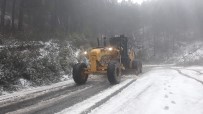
pixel 199 68
pixel 25 83
pixel 193 74
pixel 65 77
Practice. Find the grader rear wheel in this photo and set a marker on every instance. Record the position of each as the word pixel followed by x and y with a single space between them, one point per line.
pixel 140 67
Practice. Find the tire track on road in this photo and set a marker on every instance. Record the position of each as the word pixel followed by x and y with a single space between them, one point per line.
pixel 188 76
pixel 18 98
pixel 73 99
pixel 94 99
pixel 196 71
pixel 28 102
pixel 107 98
pixel 45 103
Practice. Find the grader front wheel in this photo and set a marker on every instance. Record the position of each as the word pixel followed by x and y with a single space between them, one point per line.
pixel 79 75
pixel 114 72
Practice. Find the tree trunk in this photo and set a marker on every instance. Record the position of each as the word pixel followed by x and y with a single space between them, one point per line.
pixel 173 43
pixel 55 14
pixel 13 16
pixel 3 12
pixel 21 15
pixel 154 38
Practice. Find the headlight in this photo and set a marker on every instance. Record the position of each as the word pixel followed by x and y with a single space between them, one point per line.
pixel 110 49
pixel 85 53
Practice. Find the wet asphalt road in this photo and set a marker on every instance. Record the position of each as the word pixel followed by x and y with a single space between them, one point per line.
pixel 58 100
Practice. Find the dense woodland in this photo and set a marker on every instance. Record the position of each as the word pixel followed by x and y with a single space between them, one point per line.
pixel 169 18
pixel 160 27
pixel 151 21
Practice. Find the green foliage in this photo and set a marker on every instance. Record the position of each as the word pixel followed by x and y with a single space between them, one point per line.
pixel 39 63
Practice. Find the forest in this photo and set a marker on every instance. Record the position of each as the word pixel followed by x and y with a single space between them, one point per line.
pixel 160 23
pixel 29 28
pixel 169 18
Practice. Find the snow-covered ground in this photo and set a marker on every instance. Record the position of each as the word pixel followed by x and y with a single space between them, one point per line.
pixel 80 107
pixel 164 90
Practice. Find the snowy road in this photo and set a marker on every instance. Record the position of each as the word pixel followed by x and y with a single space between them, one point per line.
pixel 159 90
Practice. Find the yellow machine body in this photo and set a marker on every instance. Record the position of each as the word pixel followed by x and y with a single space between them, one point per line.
pixel 99 59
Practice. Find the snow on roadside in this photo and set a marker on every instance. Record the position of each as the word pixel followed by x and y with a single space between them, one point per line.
pixel 199 68
pixel 32 92
pixel 84 105
pixel 196 68
pixel 158 65
pixel 162 91
pixel 188 54
pixel 193 74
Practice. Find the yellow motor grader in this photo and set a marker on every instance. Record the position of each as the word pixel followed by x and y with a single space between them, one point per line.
pixel 110 58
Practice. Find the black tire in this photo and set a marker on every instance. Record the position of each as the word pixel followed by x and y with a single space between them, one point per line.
pixel 114 72
pixel 137 65
pixel 140 67
pixel 78 73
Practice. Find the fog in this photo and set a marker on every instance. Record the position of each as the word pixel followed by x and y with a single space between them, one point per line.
pixel 43 42
pixel 160 26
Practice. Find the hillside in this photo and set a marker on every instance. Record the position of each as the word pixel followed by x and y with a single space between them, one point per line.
pixel 188 54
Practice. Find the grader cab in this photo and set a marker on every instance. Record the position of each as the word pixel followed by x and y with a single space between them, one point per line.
pixel 111 59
